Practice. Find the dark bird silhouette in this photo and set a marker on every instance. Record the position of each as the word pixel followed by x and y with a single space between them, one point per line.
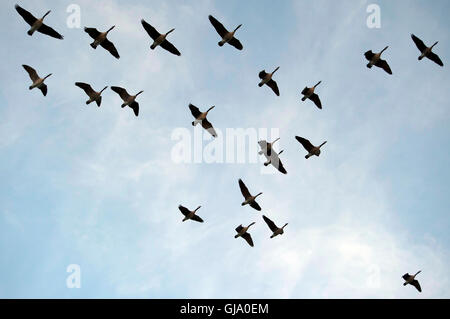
pixel 37 24
pixel 190 214
pixel 375 59
pixel 227 37
pixel 129 100
pixel 159 39
pixel 266 78
pixel 94 96
pixel 38 82
pixel 426 51
pixel 100 38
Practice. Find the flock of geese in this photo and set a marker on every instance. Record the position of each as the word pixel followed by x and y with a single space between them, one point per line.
pixel 227 37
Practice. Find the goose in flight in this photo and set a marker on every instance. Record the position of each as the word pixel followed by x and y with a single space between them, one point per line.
pixel 190 214
pixel 159 39
pixel 375 59
pixel 227 37
pixel 309 94
pixel 128 99
pixel 249 199
pixel 200 117
pixel 37 24
pixel 243 232
pixel 275 230
pixel 312 150
pixel 409 279
pixel 38 82
pixel 100 38
pixel 266 78
pixel 271 156
pixel 426 51
pixel 94 96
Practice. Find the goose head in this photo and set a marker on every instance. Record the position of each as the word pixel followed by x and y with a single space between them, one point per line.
pixel 139 93
pixel 210 109
pixel 103 89
pixel 237 28
pixel 384 49
pixel 110 29
pixel 197 208
pixel 434 44
pixel 48 76
pixel 171 30
pixel 48 12
pixel 276 69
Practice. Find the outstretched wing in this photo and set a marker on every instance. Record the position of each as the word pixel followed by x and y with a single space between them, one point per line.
pixel 281 167
pixel 419 43
pixel 45 29
pixel 305 90
pixel 208 126
pixel 218 26
pixel 239 228
pixel 150 30
pixel 236 43
pixel 248 239
pixel 416 284
pixel 306 143
pixel 197 219
pixel 435 58
pixel 93 32
pixel 109 46
pixel 28 17
pixel 406 276
pixel 135 107
pixel 270 223
pixel 384 65
pixel 262 74
pixel 315 98
pixel 99 101
pixel 170 47
pixel 184 210
pixel 369 55
pixel 31 72
pixel 244 189
pixel 43 89
pixel 273 85
pixel 122 92
pixel 194 110
pixel 86 87
pixel 276 162
pixel 255 205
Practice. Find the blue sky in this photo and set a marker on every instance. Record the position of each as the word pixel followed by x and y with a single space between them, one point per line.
pixel 97 186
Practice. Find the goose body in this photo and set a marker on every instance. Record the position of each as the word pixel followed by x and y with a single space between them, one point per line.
pixel 94 96
pixel 248 198
pixel 312 150
pixel 272 157
pixel 275 230
pixel 100 38
pixel 227 36
pixel 160 39
pixel 38 82
pixel 266 78
pixel 308 93
pixel 200 117
pixel 243 232
pixel 375 59
pixel 426 52
pixel 37 24
pixel 190 215
pixel 128 100
pixel 411 280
